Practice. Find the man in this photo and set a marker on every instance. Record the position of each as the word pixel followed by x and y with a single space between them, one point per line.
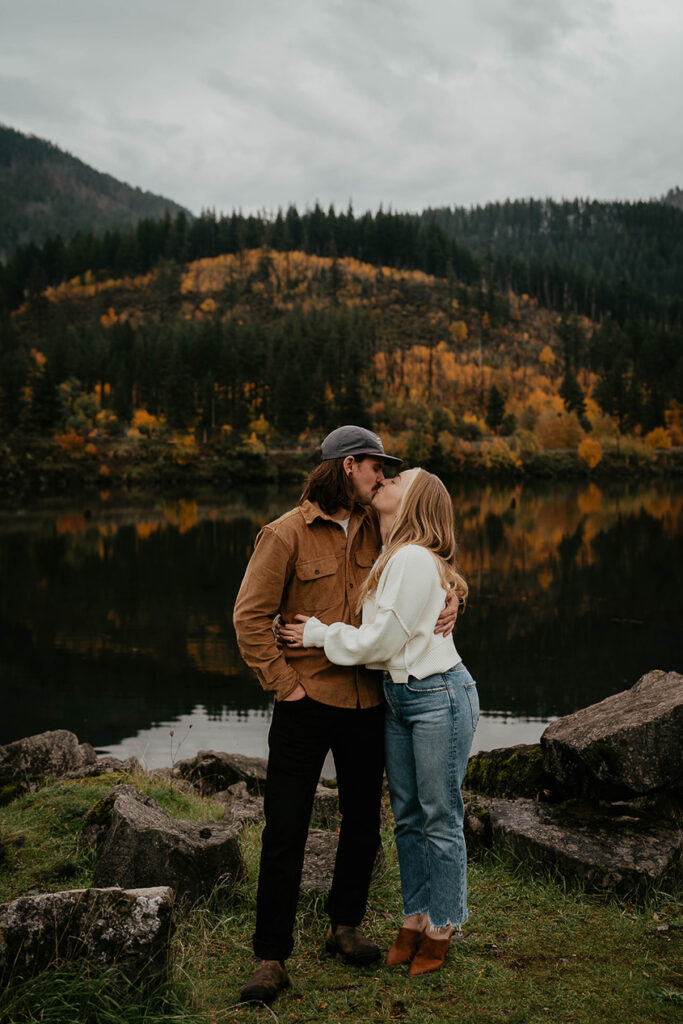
pixel 312 560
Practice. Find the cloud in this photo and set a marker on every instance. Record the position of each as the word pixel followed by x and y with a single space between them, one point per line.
pixel 225 104
pixel 23 99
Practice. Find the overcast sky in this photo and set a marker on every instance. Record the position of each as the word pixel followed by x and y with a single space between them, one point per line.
pixel 411 103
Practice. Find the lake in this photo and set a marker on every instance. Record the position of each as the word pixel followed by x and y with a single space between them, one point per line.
pixel 115 619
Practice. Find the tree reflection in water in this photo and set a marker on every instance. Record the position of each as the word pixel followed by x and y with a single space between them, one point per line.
pixel 115 623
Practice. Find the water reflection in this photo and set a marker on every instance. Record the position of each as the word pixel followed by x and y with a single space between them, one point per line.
pixel 116 622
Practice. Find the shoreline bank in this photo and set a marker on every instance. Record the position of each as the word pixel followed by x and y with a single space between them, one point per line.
pixel 39 468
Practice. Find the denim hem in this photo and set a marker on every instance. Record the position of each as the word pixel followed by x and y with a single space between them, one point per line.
pixel 449 924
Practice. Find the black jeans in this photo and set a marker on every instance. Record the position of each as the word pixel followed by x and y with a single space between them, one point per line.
pixel 301 733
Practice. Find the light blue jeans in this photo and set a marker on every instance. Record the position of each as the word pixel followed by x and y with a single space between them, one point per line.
pixel 429 727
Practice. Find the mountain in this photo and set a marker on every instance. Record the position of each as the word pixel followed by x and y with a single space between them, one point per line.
pixel 47 192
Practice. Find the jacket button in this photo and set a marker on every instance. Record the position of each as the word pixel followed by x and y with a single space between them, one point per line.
pixel 350 586
pixel 317 571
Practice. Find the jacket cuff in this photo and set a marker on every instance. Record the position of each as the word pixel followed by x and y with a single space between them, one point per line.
pixel 315 632
pixel 284 691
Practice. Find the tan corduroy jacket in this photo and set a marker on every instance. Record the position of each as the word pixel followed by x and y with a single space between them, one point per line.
pixel 303 562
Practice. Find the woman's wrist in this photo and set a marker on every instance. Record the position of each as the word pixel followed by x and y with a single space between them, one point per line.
pixel 314 633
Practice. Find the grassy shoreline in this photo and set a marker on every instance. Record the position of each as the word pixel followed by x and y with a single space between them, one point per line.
pixel 537 947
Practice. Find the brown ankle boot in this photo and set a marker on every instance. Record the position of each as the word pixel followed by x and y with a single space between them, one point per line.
pixel 430 956
pixel 404 947
pixel 352 944
pixel 269 978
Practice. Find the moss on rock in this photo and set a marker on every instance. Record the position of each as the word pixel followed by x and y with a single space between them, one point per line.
pixel 507 772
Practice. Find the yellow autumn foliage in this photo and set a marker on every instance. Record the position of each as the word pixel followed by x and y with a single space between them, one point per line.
pixel 70 442
pixel 590 452
pixel 558 429
pixel 458 331
pixel 145 422
pixel 658 439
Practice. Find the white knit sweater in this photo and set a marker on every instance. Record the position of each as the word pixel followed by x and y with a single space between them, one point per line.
pixel 397 634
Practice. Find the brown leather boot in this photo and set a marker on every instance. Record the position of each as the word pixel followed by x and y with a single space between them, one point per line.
pixel 404 947
pixel 430 956
pixel 267 981
pixel 352 944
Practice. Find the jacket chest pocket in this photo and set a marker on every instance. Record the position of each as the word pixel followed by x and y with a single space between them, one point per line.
pixel 317 586
pixel 362 563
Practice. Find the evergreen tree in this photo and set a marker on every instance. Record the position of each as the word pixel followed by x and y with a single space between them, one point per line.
pixel 45 403
pixel 495 408
pixel 291 390
pixel 13 373
pixel 178 396
pixel 121 368
pixel 570 391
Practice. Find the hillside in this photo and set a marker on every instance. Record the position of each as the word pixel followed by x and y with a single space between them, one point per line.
pixel 47 192
pixel 263 349
pixel 640 243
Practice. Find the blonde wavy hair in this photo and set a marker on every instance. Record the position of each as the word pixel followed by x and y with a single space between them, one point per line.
pixel 424 517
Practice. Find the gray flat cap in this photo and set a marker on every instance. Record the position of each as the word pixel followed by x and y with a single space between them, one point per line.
pixel 350 440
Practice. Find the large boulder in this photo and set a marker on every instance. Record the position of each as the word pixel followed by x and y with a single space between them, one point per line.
pixel 507 772
pixel 26 763
pixel 128 928
pixel 138 844
pixel 211 771
pixel 613 847
pixel 105 765
pixel 626 745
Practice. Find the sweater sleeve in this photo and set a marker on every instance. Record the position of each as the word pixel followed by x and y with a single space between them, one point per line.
pixel 406 584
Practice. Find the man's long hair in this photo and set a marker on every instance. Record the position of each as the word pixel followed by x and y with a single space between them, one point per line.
pixel 425 517
pixel 329 486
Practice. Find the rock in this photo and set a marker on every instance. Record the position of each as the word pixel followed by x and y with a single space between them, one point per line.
pixel 138 844
pixel 321 850
pixel 105 765
pixel 25 763
pixel 660 805
pixel 211 771
pixel 477 823
pixel 240 806
pixel 129 928
pixel 606 847
pixel 326 812
pixel 319 857
pixel 507 772
pixel 626 745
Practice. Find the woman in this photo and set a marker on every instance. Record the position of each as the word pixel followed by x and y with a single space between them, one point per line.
pixel 432 705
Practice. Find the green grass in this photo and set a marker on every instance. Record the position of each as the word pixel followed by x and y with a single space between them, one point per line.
pixel 41 831
pixel 538 949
